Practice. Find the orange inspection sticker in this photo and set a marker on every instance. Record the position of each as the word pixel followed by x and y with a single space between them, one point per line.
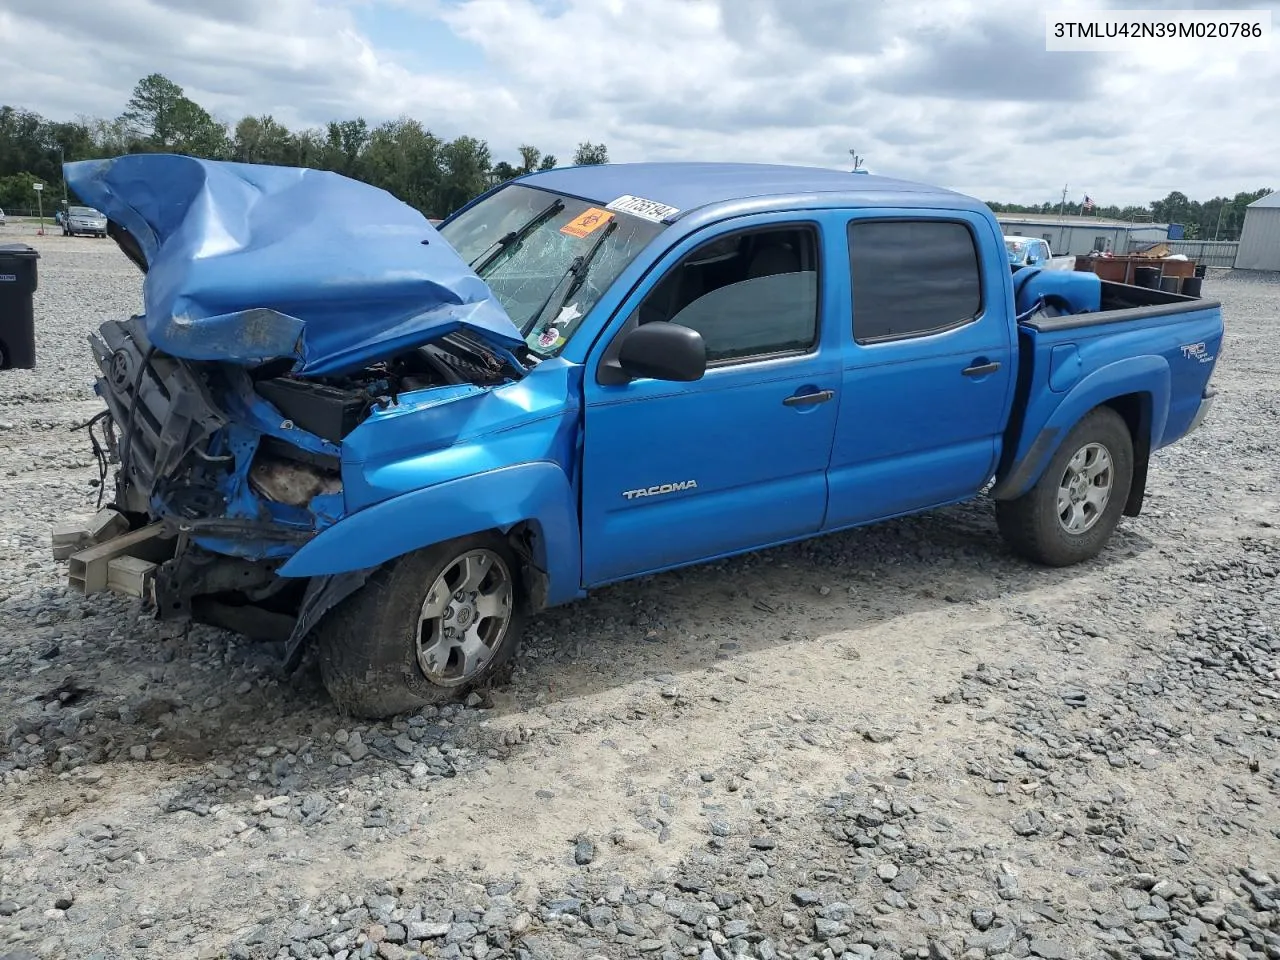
pixel 588 222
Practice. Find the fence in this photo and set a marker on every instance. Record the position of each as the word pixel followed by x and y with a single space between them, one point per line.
pixel 1212 253
pixel 31 212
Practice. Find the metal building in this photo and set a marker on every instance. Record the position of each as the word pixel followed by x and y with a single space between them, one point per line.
pixel 1260 239
pixel 1081 235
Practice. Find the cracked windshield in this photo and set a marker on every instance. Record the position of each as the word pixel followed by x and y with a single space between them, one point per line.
pixel 548 258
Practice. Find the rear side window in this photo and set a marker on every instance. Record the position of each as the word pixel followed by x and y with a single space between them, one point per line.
pixel 912 277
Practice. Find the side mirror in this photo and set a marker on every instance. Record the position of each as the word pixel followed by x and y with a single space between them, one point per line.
pixel 663 351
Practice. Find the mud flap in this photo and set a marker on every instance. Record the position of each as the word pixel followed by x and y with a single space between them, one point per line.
pixel 322 595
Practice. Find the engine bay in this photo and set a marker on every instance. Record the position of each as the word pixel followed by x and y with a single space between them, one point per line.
pixel 331 407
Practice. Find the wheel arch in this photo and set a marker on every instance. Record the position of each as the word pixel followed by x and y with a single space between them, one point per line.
pixel 530 504
pixel 1137 389
pixel 1136 411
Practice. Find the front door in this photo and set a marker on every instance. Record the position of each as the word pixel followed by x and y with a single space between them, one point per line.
pixel 674 473
pixel 928 371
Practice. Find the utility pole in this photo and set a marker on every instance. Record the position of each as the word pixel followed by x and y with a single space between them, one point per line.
pixel 62 160
pixel 1221 209
pixel 1063 205
pixel 39 189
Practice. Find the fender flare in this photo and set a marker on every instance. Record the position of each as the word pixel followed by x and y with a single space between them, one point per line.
pixel 1147 375
pixel 536 493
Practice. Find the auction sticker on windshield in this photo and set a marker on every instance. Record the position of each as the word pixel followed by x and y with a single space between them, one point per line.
pixel 587 223
pixel 640 207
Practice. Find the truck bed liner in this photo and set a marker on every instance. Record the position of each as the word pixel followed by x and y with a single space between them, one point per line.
pixel 1124 303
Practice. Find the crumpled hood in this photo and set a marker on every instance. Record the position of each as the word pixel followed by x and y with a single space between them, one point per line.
pixel 247 263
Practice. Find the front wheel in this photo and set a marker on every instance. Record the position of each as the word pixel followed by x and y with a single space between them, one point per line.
pixel 425 629
pixel 1071 512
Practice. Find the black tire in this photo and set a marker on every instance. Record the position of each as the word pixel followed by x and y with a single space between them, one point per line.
pixel 1031 524
pixel 368 644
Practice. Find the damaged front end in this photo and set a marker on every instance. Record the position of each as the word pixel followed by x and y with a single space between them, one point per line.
pixel 225 482
pixel 222 472
pixel 268 337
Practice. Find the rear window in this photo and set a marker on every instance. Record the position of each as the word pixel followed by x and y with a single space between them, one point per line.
pixel 912 277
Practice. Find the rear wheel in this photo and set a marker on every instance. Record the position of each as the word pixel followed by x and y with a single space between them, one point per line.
pixel 426 629
pixel 1072 511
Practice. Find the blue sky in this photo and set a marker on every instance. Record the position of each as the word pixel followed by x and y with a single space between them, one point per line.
pixel 419 40
pixel 961 93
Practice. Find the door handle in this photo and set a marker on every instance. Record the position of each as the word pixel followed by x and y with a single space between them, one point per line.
pixel 805 399
pixel 981 370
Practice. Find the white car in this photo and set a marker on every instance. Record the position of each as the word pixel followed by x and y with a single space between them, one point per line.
pixel 1034 252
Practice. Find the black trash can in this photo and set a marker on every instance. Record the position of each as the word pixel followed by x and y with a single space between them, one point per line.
pixel 1146 277
pixel 1200 270
pixel 1191 286
pixel 1170 284
pixel 17 317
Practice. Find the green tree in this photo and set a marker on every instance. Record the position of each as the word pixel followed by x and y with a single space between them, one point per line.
pixel 590 153
pixel 196 133
pixel 160 117
pixel 110 137
pixel 344 140
pixel 503 171
pixel 403 158
pixel 465 163
pixel 529 157
pixel 21 136
pixel 310 145
pixel 16 193
pixel 548 162
pixel 263 140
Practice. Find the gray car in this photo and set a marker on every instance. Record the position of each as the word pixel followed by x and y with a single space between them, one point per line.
pixel 84 220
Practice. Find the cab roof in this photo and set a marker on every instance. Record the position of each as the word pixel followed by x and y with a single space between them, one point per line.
pixel 691 186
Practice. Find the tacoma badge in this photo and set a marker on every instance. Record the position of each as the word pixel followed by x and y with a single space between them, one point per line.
pixel 661 489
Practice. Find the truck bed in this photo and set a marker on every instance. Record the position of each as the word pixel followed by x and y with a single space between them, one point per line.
pixel 1146 353
pixel 1122 302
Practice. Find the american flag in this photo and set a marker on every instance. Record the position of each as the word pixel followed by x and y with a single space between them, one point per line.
pixel 1088 203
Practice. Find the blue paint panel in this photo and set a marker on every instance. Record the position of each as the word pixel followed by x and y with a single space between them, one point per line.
pixel 1081 291
pixel 1065 367
pixel 458 507
pixel 759 466
pixel 440 434
pixel 688 186
pixel 1144 356
pixel 249 262
pixel 915 432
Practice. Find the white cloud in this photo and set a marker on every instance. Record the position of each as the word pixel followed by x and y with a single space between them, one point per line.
pixel 958 92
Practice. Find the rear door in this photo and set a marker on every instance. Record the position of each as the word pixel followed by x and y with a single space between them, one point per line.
pixel 675 473
pixel 928 365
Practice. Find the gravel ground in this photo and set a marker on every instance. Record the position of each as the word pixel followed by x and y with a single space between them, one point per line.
pixel 897 742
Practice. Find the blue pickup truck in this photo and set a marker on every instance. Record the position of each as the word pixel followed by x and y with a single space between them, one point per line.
pixel 337 425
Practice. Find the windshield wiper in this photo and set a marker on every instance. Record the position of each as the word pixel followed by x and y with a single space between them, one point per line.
pixel 515 236
pixel 571 280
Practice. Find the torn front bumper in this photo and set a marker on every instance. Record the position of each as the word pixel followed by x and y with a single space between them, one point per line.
pixel 180 581
pixel 175 578
pixel 104 554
